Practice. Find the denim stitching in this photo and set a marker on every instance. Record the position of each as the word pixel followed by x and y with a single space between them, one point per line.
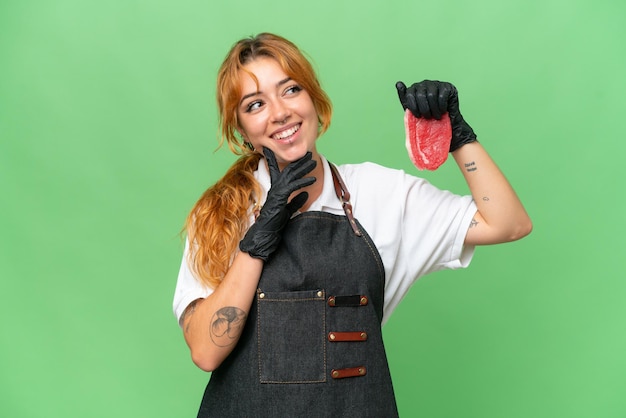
pixel 320 299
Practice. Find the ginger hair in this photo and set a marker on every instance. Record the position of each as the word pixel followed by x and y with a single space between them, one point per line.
pixel 220 218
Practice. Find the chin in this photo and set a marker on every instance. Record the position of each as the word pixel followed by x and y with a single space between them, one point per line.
pixel 293 153
pixel 286 157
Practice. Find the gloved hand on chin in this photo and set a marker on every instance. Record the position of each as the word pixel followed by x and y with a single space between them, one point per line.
pixel 264 235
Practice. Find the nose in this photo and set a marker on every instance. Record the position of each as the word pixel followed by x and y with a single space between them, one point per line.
pixel 280 113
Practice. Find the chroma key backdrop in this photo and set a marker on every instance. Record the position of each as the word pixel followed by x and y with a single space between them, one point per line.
pixel 108 131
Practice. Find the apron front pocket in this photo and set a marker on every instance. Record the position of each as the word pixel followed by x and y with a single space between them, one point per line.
pixel 291 336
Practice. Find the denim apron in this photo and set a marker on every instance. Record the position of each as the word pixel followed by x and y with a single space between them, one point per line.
pixel 312 344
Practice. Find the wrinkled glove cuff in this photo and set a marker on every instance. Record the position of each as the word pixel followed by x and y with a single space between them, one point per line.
pixel 462 134
pixel 259 244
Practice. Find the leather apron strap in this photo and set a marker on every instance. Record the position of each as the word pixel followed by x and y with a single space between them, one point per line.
pixel 344 196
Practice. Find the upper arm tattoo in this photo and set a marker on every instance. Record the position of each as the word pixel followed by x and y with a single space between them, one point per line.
pixel 189 310
pixel 473 223
pixel 226 325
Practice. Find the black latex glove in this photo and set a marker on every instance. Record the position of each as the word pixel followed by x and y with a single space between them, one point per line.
pixel 431 99
pixel 264 235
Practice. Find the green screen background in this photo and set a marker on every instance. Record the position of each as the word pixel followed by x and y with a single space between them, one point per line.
pixel 107 137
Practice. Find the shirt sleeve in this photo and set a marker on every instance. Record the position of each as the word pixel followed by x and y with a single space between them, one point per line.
pixel 188 287
pixel 417 228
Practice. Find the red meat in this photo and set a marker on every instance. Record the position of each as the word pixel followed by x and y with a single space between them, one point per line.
pixel 427 140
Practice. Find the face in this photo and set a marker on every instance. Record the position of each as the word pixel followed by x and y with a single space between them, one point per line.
pixel 278 114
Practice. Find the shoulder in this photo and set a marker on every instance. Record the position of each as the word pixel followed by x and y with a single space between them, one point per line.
pixel 373 181
pixel 363 172
pixel 402 198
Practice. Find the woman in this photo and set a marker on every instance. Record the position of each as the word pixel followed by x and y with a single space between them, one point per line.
pixel 292 264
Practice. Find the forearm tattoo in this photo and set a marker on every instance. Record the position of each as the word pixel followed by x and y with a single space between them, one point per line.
pixel 469 167
pixel 226 326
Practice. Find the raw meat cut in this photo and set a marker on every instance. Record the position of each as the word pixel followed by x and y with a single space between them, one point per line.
pixel 427 140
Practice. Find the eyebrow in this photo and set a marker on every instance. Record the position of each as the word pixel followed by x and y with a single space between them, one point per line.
pixel 280 83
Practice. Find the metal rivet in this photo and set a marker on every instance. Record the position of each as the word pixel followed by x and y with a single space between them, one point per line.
pixel 335 373
pixel 331 301
pixel 363 300
pixel 331 336
pixel 364 335
pixel 320 294
pixel 361 371
pixel 261 295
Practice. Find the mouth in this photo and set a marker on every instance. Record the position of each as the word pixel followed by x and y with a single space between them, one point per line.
pixel 287 133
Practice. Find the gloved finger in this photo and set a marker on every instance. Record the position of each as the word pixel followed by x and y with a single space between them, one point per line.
pixel 432 97
pixel 444 96
pixel 270 158
pixel 421 97
pixel 411 101
pixel 300 183
pixel 407 98
pixel 453 101
pixel 297 202
pixel 299 168
pixel 401 88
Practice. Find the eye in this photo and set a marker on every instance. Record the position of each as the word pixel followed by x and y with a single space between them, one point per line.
pixel 252 106
pixel 293 89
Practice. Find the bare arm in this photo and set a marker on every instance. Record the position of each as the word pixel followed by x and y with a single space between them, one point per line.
pixel 212 326
pixel 501 217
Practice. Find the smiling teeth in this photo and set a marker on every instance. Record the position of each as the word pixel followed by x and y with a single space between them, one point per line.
pixel 288 132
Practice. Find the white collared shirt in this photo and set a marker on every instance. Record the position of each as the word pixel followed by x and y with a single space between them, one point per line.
pixel 416 227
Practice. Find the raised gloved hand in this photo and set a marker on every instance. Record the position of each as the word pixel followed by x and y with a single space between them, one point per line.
pixel 431 99
pixel 264 235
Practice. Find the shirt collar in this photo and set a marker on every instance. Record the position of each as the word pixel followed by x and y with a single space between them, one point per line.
pixel 327 200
